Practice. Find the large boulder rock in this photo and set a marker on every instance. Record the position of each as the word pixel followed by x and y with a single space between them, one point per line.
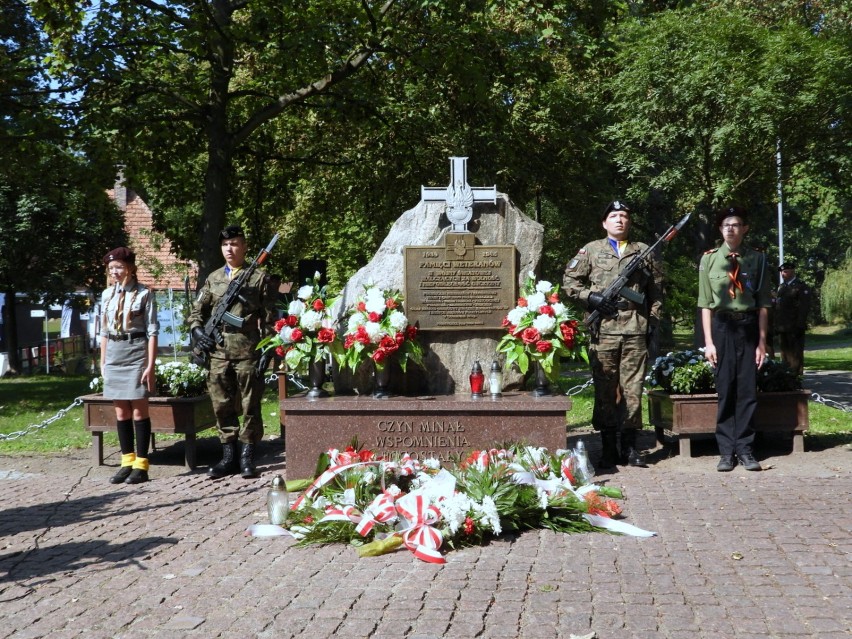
pixel 449 354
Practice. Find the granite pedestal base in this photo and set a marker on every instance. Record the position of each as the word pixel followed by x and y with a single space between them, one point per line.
pixel 445 427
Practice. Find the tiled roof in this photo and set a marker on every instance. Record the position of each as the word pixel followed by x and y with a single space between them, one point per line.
pixel 156 262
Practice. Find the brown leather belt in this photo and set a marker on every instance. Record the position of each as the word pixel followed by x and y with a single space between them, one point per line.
pixel 123 337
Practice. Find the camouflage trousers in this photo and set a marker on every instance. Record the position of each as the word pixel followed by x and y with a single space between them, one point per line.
pixel 236 389
pixel 618 370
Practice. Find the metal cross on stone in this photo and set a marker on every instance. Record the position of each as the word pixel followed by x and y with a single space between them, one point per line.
pixel 459 196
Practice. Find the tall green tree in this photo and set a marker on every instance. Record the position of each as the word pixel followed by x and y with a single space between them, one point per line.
pixel 704 97
pixel 252 108
pixel 56 219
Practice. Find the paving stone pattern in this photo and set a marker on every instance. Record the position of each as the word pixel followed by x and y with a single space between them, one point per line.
pixel 738 555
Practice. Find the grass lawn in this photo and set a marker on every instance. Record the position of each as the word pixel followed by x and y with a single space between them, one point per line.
pixel 27 401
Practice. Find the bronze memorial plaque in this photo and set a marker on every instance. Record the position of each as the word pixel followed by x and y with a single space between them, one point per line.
pixel 460 285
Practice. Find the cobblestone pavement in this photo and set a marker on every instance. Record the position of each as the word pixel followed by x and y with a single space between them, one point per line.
pixel 738 555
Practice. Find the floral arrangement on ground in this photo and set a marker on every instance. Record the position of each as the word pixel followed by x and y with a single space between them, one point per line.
pixel 175 378
pixel 541 329
pixel 688 372
pixel 377 328
pixel 380 505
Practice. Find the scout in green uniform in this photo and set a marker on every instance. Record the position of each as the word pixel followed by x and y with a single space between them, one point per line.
pixel 620 356
pixel 233 382
pixel 792 305
pixel 734 293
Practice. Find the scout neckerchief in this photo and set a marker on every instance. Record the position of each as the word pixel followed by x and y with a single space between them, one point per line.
pixel 734 275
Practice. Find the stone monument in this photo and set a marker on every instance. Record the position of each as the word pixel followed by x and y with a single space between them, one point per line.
pixel 459 257
pixel 466 275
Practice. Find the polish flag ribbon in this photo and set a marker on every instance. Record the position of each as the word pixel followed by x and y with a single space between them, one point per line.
pixel 381 510
pixel 421 537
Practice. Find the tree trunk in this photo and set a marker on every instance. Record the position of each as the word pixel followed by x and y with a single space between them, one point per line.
pixel 219 142
pixel 10 322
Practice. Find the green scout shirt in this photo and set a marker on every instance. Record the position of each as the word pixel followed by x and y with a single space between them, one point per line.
pixel 714 282
pixel 259 304
pixel 596 266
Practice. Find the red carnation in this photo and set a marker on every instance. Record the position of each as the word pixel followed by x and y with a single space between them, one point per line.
pixel 348 341
pixel 553 298
pixel 530 335
pixel 543 346
pixel 361 306
pixel 399 338
pixel 468 526
pixel 388 343
pixel 280 324
pixel 374 317
pixel 296 335
pixel 279 350
pixel 568 334
pixel 292 320
pixel 318 305
pixel 326 335
pixel 361 335
pixel 379 355
pixel 546 310
pixel 522 301
pixel 411 332
pixel 391 303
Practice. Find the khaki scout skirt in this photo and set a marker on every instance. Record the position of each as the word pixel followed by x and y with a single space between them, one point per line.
pixel 123 367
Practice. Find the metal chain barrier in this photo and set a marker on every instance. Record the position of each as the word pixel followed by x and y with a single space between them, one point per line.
pixel 290 377
pixel 34 427
pixel 574 390
pixel 816 397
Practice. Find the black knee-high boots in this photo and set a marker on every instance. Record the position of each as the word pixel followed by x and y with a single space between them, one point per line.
pixel 139 473
pixel 125 441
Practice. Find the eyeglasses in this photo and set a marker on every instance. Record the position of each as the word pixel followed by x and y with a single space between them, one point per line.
pixel 731 226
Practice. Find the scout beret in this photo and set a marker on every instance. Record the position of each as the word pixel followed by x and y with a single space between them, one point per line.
pixel 787 265
pixel 121 253
pixel 615 205
pixel 731 211
pixel 230 232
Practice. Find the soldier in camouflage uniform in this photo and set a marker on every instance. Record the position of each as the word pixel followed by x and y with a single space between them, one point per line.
pixel 233 382
pixel 734 293
pixel 620 355
pixel 792 305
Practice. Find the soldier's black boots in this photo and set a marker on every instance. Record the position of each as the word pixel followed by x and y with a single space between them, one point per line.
pixel 609 456
pixel 228 465
pixel 630 455
pixel 247 469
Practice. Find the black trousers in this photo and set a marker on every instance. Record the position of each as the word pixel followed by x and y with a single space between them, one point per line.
pixel 736 382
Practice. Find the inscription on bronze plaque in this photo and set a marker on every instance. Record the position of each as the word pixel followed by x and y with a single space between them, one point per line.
pixel 460 285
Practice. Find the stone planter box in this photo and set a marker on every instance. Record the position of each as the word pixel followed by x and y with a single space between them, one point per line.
pixel 176 415
pixel 687 415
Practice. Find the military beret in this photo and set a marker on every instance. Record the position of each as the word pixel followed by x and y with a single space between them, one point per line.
pixel 121 253
pixel 615 205
pixel 230 232
pixel 731 211
pixel 787 265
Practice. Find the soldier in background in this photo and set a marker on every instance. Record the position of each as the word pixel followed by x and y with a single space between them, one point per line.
pixel 792 305
pixel 233 382
pixel 620 355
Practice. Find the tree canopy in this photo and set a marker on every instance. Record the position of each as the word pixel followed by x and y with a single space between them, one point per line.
pixel 321 119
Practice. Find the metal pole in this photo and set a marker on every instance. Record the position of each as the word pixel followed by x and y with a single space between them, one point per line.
pixel 46 342
pixel 780 206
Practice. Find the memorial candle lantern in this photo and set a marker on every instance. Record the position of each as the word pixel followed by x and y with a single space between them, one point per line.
pixel 477 380
pixel 277 501
pixel 495 380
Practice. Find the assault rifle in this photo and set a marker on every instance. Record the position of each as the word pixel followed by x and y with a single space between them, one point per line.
pixel 619 287
pixel 221 312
